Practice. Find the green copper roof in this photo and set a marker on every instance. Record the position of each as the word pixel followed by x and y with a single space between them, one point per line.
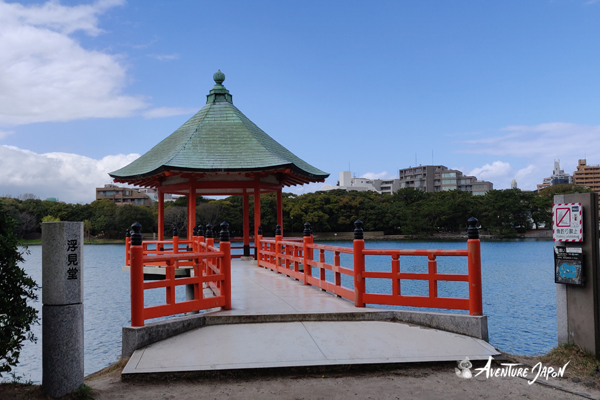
pixel 218 138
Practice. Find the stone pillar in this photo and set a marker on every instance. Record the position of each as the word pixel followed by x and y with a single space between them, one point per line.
pixel 62 310
pixel 578 311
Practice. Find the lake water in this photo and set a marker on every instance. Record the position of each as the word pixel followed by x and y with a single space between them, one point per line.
pixel 519 295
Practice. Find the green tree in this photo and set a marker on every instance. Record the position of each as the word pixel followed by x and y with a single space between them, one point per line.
pixel 567 188
pixel 87 228
pixel 505 212
pixel 104 217
pixel 128 214
pixel 16 288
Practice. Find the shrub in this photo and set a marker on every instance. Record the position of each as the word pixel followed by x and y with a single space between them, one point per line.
pixel 16 288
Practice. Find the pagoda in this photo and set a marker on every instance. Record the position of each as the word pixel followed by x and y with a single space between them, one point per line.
pixel 219 151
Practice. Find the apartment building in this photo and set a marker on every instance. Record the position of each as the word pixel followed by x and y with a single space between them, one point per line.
pixel 558 177
pixel 349 183
pixel 387 186
pixel 437 178
pixel 122 196
pixel 587 175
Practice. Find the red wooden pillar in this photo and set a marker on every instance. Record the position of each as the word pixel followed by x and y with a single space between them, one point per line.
pixel 137 276
pixel 191 211
pixel 280 209
pixel 246 208
pixel 256 208
pixel 474 265
pixel 161 215
pixel 225 247
pixel 359 264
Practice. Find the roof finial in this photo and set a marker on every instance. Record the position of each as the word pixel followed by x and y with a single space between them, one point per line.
pixel 219 77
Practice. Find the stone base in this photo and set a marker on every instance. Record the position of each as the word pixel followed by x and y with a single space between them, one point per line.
pixel 137 337
pixel 62 349
pixel 247 258
pixel 253 262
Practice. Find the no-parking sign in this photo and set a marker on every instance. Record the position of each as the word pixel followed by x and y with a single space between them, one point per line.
pixel 567 222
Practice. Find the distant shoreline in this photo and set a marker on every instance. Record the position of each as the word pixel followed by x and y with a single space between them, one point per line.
pixel 545 234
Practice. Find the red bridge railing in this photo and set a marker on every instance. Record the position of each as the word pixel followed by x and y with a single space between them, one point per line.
pixel 210 268
pixel 297 260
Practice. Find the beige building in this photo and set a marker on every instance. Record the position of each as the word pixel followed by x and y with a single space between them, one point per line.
pixel 587 175
pixel 122 196
pixel 349 183
pixel 437 178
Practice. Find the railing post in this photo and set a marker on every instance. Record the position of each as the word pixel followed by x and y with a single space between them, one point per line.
pixel 225 247
pixel 175 240
pixel 195 239
pixel 137 276
pixel 359 264
pixel 210 240
pixel 307 239
pixel 474 250
pixel 200 236
pixel 278 238
pixel 432 269
pixel 127 246
pixel 257 244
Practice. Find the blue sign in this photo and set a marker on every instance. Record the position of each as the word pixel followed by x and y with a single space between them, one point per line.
pixel 567 265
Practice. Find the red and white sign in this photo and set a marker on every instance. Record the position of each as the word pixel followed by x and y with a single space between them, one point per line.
pixel 567 222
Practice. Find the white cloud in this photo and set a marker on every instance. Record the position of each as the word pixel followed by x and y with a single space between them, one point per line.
pixel 163 57
pixel 4 134
pixel 528 177
pixel 377 175
pixel 162 112
pixel 70 177
pixel 546 141
pixel 491 171
pixel 45 75
pixel 537 146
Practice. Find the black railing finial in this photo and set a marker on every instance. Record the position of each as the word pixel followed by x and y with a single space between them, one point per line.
pixel 136 236
pixel 278 230
pixel 259 232
pixel 358 229
pixel 473 228
pixel 209 231
pixel 224 235
pixel 307 229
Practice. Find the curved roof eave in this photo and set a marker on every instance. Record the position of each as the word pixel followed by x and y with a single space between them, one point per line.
pixel 218 138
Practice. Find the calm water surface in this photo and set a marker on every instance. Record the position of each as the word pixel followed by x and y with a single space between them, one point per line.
pixel 519 295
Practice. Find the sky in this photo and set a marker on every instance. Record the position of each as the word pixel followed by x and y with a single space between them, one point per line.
pixel 497 89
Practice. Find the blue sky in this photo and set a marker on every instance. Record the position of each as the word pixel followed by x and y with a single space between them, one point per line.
pixel 498 89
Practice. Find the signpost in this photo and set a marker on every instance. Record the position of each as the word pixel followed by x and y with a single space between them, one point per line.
pixel 576 270
pixel 567 222
pixel 62 309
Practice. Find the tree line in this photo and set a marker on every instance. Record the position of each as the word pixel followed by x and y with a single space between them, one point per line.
pixel 503 213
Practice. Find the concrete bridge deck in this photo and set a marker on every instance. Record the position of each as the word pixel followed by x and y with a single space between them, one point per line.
pixel 276 321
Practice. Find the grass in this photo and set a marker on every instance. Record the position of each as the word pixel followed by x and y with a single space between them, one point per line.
pixel 28 391
pixel 84 392
pixel 582 365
